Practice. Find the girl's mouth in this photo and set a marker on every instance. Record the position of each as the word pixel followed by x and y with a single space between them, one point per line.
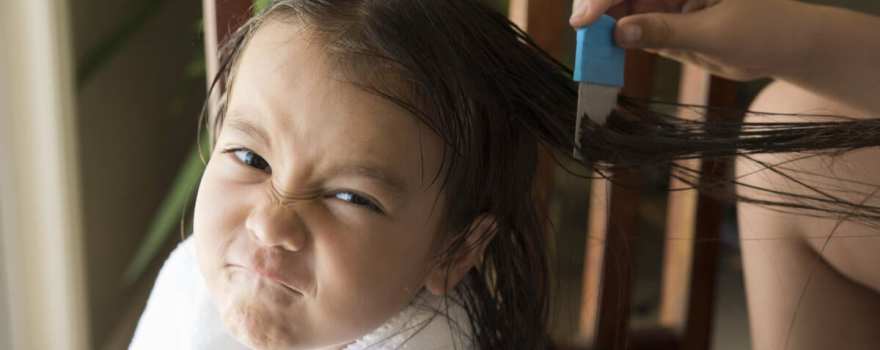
pixel 269 274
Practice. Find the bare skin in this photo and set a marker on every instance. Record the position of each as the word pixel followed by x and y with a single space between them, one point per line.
pixel 811 283
pixel 829 51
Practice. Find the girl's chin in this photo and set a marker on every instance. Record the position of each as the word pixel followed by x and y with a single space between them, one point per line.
pixel 259 325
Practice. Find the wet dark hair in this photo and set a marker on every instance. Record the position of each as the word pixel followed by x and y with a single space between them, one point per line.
pixel 496 100
pixel 639 134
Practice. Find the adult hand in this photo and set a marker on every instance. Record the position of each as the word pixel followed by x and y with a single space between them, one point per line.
pixel 736 39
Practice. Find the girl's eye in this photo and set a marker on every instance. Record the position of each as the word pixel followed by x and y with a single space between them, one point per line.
pixel 358 200
pixel 251 159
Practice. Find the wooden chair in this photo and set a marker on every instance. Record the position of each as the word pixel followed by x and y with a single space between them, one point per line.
pixel 688 285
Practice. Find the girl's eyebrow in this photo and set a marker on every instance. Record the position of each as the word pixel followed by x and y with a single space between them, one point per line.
pixel 247 127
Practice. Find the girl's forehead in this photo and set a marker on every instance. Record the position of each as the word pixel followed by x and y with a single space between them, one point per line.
pixel 285 92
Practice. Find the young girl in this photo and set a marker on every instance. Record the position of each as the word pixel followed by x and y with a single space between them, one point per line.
pixel 370 185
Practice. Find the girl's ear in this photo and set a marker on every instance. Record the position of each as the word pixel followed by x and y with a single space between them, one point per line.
pixel 445 276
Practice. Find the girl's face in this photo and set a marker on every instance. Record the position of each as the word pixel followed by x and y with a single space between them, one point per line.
pixel 316 218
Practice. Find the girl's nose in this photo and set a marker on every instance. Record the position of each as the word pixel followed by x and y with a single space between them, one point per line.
pixel 276 225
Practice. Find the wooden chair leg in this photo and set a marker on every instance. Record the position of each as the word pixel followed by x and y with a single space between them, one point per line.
pixel 221 18
pixel 681 209
pixel 611 232
pixel 694 225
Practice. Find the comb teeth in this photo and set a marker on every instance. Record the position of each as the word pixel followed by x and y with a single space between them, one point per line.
pixel 596 102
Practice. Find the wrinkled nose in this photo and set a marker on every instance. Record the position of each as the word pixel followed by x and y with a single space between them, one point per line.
pixel 274 225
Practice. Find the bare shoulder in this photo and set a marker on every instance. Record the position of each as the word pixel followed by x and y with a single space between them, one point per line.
pixel 807 276
pixel 851 247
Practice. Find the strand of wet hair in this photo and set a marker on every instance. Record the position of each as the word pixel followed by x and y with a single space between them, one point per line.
pixel 637 134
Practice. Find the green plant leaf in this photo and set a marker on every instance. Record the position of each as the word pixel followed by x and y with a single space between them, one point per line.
pixel 259 5
pixel 168 217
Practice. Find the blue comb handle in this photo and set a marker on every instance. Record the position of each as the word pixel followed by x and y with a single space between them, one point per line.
pixel 598 60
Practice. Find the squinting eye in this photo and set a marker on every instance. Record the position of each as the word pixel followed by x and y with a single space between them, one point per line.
pixel 251 159
pixel 358 200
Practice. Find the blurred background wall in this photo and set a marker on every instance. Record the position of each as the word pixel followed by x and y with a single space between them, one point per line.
pixel 139 91
pixel 5 336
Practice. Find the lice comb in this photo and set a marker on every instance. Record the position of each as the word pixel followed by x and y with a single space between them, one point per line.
pixel 598 67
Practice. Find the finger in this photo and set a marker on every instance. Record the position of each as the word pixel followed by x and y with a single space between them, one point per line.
pixel 684 57
pixel 646 6
pixel 702 61
pixel 661 31
pixel 695 5
pixel 588 11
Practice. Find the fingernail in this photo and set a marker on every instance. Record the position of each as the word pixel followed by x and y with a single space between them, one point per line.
pixel 631 34
pixel 580 11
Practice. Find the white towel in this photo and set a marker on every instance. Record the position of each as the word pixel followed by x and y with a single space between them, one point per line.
pixel 180 315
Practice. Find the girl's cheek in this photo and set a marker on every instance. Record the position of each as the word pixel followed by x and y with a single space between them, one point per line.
pixel 221 208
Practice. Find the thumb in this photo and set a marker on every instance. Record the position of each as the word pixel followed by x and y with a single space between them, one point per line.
pixel 659 31
pixel 588 11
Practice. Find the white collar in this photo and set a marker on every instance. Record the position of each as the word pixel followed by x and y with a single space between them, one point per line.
pixel 429 323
